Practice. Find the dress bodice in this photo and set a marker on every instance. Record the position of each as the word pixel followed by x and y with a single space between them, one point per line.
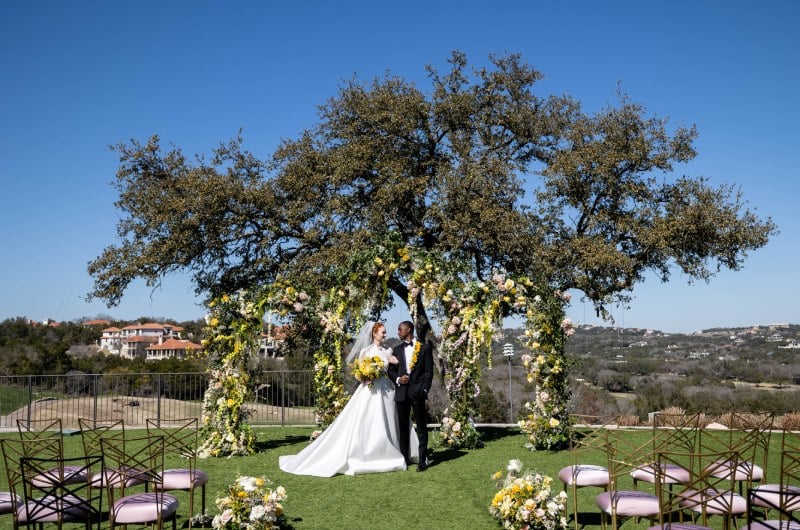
pixel 372 349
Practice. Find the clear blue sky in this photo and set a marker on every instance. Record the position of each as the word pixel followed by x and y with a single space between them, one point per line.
pixel 79 76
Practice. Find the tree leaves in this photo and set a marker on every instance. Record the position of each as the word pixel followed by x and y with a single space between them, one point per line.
pixel 478 168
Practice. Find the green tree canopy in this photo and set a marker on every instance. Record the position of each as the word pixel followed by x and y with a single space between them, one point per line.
pixel 479 169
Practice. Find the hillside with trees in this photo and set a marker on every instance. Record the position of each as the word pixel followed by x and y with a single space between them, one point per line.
pixel 716 370
pixel 615 370
pixel 35 348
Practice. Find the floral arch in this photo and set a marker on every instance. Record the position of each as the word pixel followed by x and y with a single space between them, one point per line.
pixel 469 313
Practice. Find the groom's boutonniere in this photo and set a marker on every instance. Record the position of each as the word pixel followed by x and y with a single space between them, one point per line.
pixel 417 347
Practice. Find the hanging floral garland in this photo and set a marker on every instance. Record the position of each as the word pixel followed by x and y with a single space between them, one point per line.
pixel 233 328
pixel 328 374
pixel 472 316
pixel 547 422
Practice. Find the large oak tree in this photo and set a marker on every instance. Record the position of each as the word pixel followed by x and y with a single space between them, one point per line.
pixel 479 168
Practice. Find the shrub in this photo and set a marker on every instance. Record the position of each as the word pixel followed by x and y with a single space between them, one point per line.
pixel 627 420
pixel 789 422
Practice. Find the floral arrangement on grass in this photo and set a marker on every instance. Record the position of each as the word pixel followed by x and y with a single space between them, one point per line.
pixel 225 429
pixel 525 500
pixel 251 504
pixel 456 434
pixel 368 369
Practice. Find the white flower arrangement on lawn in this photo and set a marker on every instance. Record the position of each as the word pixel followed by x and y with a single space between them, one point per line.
pixel 525 500
pixel 251 504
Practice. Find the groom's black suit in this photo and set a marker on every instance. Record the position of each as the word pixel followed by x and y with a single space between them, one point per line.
pixel 412 396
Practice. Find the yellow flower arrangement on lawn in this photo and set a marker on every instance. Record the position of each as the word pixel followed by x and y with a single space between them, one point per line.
pixel 525 500
pixel 368 369
pixel 251 504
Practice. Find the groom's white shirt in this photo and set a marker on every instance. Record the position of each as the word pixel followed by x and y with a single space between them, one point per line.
pixel 409 353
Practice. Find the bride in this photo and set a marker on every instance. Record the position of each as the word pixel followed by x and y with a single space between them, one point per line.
pixel 363 437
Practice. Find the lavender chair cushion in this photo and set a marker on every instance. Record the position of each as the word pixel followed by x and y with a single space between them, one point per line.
pixel 672 474
pixel 50 509
pixel 679 526
pixel 772 524
pixel 72 475
pixel 144 507
pixel 181 479
pixel 114 478
pixel 771 495
pixel 628 503
pixel 581 475
pixel 744 470
pixel 8 502
pixel 715 503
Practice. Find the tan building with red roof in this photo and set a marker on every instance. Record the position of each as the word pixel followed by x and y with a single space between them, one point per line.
pixel 271 342
pixel 172 348
pixel 132 341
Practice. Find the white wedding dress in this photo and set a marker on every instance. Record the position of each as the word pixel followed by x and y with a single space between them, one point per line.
pixel 362 438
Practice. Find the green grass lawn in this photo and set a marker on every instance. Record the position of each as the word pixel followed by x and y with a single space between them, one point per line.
pixel 453 493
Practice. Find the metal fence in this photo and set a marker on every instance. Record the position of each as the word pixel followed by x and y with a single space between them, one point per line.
pixel 280 397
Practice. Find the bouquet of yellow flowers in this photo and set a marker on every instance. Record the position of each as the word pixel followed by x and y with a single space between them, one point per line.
pixel 251 504
pixel 368 369
pixel 525 501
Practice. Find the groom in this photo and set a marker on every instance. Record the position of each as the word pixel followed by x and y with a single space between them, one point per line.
pixel 413 375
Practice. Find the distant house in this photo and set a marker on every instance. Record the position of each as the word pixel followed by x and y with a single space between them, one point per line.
pixel 698 355
pixel 110 340
pixel 271 342
pixel 171 348
pixel 49 322
pixel 96 322
pixel 131 342
pixel 775 337
pixel 793 345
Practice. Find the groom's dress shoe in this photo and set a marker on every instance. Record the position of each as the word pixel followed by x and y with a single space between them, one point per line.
pixel 422 466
